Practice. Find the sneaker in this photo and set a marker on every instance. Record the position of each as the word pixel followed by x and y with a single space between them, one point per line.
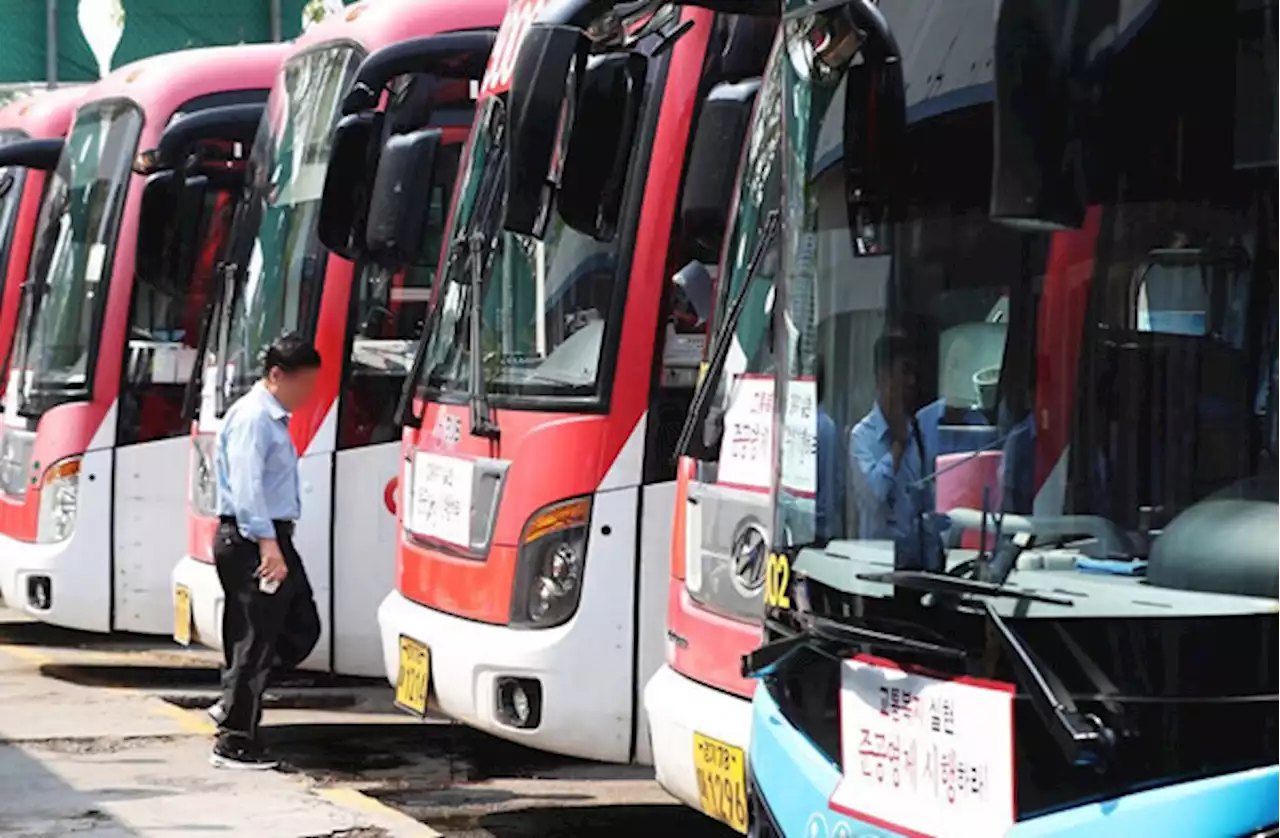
pixel 218 712
pixel 240 758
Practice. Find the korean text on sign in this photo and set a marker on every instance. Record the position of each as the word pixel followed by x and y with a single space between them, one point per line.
pixel 440 504
pixel 746 448
pixel 929 755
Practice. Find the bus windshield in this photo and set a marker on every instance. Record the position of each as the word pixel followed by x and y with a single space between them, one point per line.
pixel 1039 455
pixel 278 259
pixel 951 365
pixel 74 247
pixel 546 305
pixel 733 472
pixel 748 366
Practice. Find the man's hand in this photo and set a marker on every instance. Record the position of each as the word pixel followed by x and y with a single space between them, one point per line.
pixel 271 567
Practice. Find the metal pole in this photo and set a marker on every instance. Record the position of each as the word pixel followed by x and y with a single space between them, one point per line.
pixel 277 30
pixel 51 42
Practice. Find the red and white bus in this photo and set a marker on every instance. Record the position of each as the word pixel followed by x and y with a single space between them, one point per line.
pixel 530 590
pixel 90 504
pixel 698 704
pixel 31 130
pixel 365 314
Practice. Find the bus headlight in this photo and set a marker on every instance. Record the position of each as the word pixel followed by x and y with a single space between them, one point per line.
pixel 550 564
pixel 59 499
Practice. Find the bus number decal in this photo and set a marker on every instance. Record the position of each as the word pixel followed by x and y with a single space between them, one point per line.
pixel 777 579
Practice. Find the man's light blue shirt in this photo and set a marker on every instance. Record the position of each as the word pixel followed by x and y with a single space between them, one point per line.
pixel 889 501
pixel 257 465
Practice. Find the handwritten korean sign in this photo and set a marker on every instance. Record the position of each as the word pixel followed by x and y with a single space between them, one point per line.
pixel 925 755
pixel 746 449
pixel 440 504
pixel 800 443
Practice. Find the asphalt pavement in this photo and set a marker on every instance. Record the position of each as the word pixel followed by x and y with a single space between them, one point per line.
pixel 107 737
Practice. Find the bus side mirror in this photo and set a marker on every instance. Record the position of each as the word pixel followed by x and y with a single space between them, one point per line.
pixel 544 90
pixel 172 205
pixel 42 155
pixel 344 203
pixel 1038 180
pixel 1256 126
pixel 400 207
pixel 601 138
pixel 713 165
pixel 191 209
pixel 156 221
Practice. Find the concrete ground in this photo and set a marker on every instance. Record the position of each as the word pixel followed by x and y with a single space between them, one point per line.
pixel 107 737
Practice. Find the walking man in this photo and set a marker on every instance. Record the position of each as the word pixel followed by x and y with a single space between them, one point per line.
pixel 269 616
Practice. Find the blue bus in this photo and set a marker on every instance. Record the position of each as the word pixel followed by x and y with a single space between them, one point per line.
pixel 1025 527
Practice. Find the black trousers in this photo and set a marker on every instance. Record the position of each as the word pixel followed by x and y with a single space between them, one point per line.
pixel 259 631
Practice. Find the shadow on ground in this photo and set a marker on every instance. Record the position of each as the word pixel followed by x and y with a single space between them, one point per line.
pixel 36 803
pixel 468 784
pixel 441 754
pixel 20 632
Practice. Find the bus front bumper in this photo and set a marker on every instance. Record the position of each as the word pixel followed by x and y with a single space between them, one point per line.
pixel 679 707
pixel 795 781
pixel 204 593
pixel 65 584
pixel 585 704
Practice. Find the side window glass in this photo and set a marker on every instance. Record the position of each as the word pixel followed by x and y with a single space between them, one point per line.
pixel 165 317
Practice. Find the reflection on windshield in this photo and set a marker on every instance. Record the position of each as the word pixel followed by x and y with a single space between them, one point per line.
pixel 960 376
pixel 71 264
pixel 743 389
pixel 1053 453
pixel 546 304
pixel 274 244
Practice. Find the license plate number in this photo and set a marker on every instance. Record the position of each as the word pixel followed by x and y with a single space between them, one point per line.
pixel 415 674
pixel 722 780
pixel 182 615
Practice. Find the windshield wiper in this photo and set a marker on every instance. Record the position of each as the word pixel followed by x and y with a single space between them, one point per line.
pixel 405 415
pixel 195 384
pixel 1083 738
pixel 701 405
pixel 482 423
pixel 942 584
pixel 834 640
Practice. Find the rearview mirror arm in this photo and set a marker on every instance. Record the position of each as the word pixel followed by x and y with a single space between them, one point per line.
pixel 460 55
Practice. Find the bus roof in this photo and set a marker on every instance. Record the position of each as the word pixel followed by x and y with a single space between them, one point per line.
pixel 161 84
pixel 46 114
pixel 375 24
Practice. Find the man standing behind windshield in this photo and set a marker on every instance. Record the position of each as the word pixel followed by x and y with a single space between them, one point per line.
pixel 891 457
pixel 263 581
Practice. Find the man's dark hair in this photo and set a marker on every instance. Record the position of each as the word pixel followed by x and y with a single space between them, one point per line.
pixel 290 353
pixel 888 348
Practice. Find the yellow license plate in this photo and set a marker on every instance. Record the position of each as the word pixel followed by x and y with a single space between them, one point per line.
pixel 722 780
pixel 415 674
pixel 182 615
